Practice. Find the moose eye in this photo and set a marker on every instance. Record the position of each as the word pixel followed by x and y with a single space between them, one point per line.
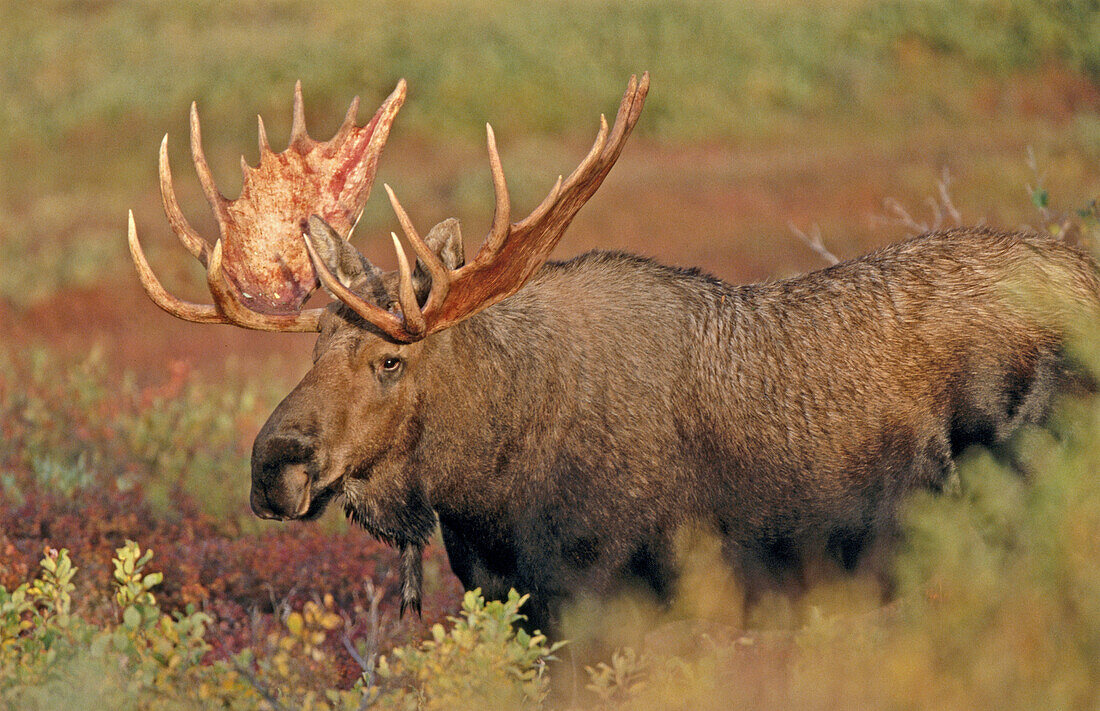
pixel 391 365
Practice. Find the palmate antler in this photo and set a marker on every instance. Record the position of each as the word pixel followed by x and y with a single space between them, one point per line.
pixel 259 272
pixel 511 253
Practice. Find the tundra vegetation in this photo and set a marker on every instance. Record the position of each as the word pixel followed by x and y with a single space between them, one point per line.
pixel 144 437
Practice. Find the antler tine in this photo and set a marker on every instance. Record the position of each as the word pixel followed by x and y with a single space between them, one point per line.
pixel 265 147
pixel 441 278
pixel 502 213
pixel 545 206
pixel 594 154
pixel 197 313
pixel 587 176
pixel 628 114
pixel 217 201
pixel 191 239
pixel 554 196
pixel 228 303
pixel 298 123
pixel 382 319
pixel 347 125
pixel 406 295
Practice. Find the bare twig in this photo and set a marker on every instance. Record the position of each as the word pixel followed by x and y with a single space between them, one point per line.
pixel 1065 226
pixel 937 214
pixel 814 242
pixel 944 212
pixel 1037 189
pixel 260 688
pixel 898 215
pixel 256 684
pixel 282 607
pixel 368 662
pixel 945 197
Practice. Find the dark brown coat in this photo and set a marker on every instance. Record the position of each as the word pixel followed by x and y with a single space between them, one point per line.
pixel 563 436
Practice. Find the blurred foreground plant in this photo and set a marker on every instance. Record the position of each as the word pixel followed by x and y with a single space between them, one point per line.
pixel 482 662
pixel 50 658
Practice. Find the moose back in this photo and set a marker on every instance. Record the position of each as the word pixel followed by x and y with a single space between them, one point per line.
pixel 561 421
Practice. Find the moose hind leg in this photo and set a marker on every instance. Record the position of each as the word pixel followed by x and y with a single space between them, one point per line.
pixel 1027 400
pixel 1028 394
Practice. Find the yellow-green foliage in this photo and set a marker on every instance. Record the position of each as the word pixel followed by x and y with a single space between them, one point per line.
pixel 52 659
pixel 481 662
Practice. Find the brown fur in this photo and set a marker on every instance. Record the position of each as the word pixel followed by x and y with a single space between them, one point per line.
pixel 561 437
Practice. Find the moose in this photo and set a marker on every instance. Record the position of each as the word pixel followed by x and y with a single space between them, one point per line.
pixel 560 421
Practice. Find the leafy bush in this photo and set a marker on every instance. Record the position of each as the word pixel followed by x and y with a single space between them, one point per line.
pixel 481 662
pixel 73 426
pixel 51 658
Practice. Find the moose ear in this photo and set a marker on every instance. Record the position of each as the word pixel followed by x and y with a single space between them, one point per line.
pixel 342 259
pixel 445 239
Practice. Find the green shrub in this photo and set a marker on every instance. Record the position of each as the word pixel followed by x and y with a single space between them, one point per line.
pixel 481 662
pixel 51 658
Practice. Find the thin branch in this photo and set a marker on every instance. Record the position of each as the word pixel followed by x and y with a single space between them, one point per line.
pixel 367 663
pixel 282 608
pixel 814 242
pixel 1033 165
pixel 945 197
pixel 256 684
pixel 900 216
pixel 937 214
pixel 260 688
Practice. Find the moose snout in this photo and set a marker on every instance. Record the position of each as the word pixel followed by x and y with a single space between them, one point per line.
pixel 282 473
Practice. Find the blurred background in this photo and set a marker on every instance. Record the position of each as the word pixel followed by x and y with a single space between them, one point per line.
pixel 762 115
pixel 859 121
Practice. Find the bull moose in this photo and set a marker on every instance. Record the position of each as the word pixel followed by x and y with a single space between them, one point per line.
pixel 561 420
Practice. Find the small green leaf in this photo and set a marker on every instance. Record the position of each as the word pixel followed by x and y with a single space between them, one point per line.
pixel 1040 197
pixel 131 618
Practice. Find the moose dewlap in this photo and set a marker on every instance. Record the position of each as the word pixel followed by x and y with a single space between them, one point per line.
pixel 562 420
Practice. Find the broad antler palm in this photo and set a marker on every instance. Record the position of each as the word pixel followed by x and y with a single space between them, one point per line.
pixel 259 272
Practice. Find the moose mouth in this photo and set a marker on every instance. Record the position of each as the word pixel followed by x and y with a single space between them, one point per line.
pixel 318 504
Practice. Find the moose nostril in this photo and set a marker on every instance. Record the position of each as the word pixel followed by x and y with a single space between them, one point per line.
pixel 257 500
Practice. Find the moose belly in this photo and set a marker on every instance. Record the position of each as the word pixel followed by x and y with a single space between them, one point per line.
pixel 552 559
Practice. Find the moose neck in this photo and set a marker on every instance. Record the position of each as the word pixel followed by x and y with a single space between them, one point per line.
pixel 491 381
